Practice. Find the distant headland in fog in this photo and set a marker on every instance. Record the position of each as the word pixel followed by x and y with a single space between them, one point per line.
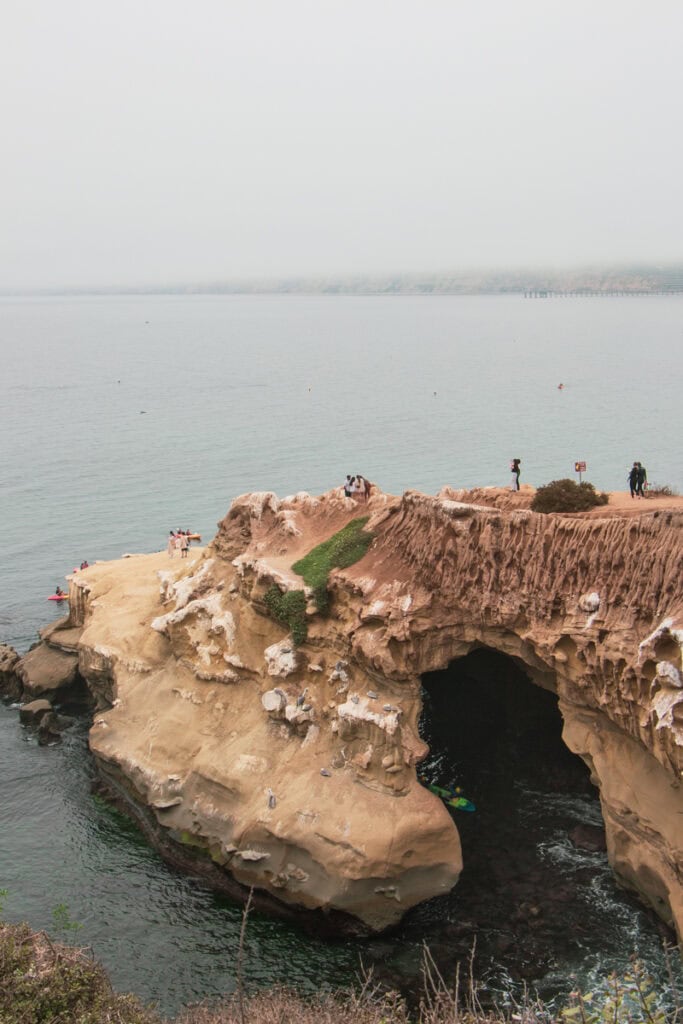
pixel 645 279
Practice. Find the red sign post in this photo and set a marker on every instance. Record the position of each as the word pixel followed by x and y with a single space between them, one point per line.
pixel 580 467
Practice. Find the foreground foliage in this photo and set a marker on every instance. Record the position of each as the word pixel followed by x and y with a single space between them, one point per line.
pixel 567 496
pixel 342 549
pixel 42 982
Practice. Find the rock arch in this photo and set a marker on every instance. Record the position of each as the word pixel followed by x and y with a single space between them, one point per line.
pixel 316 802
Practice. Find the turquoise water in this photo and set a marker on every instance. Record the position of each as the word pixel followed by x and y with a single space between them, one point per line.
pixel 124 417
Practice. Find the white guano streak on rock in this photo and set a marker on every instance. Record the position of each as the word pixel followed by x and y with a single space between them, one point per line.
pixel 281 659
pixel 669 674
pixel 361 712
pixel 221 620
pixel 288 519
pixel 663 704
pixel 590 602
pixel 184 587
pixel 664 627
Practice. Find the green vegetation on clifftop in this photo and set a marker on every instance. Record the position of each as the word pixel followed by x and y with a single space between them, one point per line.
pixel 342 549
pixel 567 496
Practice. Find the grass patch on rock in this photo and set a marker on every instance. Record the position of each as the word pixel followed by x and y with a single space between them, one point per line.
pixel 289 609
pixel 339 551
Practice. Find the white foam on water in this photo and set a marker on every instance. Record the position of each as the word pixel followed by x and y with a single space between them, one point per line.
pixel 561 850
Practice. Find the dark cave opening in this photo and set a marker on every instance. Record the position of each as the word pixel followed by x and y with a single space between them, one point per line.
pixel 490 728
pixel 536 906
pixel 534 843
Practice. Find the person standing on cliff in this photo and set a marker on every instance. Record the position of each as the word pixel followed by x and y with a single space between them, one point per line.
pixel 642 480
pixel 170 547
pixel 633 479
pixel 184 545
pixel 515 470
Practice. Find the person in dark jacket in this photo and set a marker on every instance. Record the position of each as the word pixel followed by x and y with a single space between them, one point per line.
pixel 633 479
pixel 642 480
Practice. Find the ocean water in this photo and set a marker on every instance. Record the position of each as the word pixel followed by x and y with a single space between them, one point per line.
pixel 124 417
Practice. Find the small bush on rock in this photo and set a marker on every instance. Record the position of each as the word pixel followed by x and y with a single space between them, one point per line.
pixel 42 982
pixel 661 491
pixel 567 496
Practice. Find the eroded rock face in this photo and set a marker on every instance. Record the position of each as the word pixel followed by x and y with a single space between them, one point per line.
pixel 47 672
pixel 293 769
pixel 10 686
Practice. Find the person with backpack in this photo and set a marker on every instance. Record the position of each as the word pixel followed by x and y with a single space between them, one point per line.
pixel 515 471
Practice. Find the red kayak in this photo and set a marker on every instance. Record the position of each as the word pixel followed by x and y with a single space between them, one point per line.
pixel 58 597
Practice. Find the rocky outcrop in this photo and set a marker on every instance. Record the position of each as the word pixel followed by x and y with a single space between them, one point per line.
pixel 10 686
pixel 33 712
pixel 48 672
pixel 293 769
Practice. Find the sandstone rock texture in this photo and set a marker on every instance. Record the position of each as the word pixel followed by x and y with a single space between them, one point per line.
pixel 293 769
pixel 10 686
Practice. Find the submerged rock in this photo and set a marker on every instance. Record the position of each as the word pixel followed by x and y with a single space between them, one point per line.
pixel 34 712
pixel 589 837
pixel 46 671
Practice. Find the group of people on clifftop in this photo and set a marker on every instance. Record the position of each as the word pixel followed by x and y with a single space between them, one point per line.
pixel 178 540
pixel 356 487
pixel 637 480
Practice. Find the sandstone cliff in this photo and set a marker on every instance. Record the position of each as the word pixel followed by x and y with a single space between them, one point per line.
pixel 293 769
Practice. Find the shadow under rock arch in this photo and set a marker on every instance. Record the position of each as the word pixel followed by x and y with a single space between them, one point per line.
pixel 498 736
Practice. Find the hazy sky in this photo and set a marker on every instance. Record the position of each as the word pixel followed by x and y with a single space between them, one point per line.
pixel 153 141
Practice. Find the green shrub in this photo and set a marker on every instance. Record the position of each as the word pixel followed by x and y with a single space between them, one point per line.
pixel 567 496
pixel 339 551
pixel 289 609
pixel 628 998
pixel 45 983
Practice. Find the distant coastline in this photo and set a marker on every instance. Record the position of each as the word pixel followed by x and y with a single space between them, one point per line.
pixel 646 279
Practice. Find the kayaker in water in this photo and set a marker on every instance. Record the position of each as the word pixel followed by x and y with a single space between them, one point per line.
pixel 58 591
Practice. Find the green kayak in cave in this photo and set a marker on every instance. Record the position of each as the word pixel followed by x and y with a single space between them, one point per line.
pixel 451 797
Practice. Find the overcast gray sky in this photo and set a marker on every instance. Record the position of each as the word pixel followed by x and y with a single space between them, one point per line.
pixel 154 141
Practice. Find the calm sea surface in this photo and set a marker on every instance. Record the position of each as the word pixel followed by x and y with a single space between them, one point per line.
pixel 124 417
